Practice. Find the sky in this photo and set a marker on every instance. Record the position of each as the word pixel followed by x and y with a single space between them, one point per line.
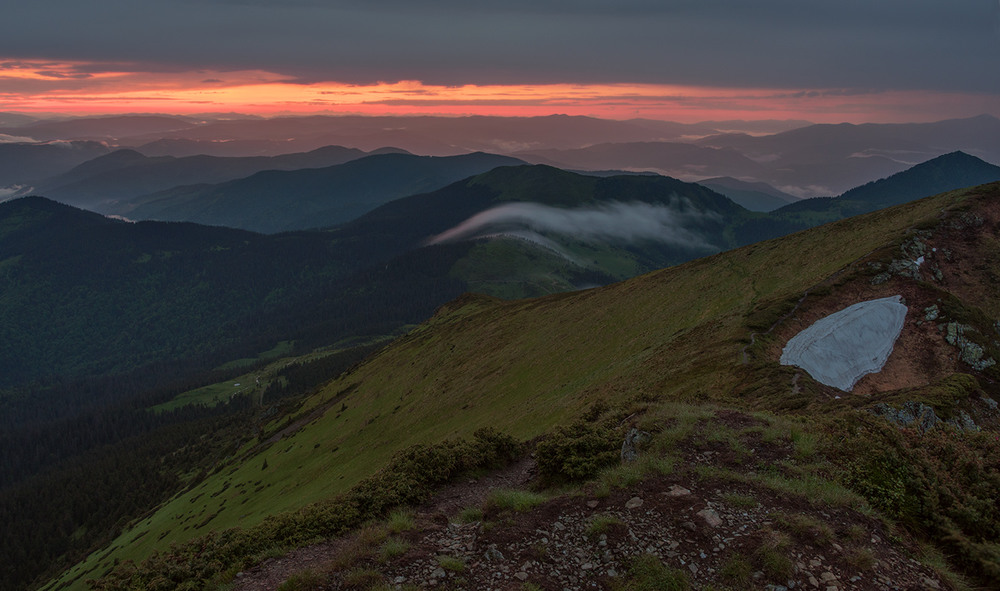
pixel 681 60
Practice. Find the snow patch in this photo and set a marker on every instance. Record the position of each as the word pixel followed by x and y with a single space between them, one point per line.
pixel 841 348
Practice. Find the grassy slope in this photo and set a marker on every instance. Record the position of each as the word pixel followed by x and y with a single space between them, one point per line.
pixel 523 367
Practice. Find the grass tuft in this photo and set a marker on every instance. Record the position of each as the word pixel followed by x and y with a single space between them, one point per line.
pixel 401 520
pixel 451 563
pixel 470 515
pixel 601 524
pixel 648 573
pixel 307 580
pixel 514 500
pixel 392 548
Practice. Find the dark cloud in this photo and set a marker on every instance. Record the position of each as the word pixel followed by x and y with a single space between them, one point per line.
pixel 885 44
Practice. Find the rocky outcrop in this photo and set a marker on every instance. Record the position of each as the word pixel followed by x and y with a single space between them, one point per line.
pixel 633 440
pixel 921 416
pixel 971 353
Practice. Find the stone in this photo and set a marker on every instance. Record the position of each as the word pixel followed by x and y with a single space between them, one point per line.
pixel 634 439
pixel 963 422
pixel 970 352
pixel 827 576
pixel 711 517
pixel 593 504
pixel 677 491
pixel 439 573
pixel 633 503
pixel 521 575
pixel 493 554
pixel 911 413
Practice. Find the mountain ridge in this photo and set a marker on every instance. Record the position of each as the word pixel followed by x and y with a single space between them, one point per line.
pixel 669 337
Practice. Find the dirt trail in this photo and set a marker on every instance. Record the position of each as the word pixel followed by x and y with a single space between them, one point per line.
pixel 446 502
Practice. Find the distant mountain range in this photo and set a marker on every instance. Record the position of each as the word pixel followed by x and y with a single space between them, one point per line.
pixel 23 165
pixel 276 201
pixel 126 174
pixel 668 158
pixel 753 196
pixel 795 158
pixel 830 159
pixel 944 173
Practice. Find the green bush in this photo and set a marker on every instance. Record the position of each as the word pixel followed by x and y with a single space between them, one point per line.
pixel 942 482
pixel 578 451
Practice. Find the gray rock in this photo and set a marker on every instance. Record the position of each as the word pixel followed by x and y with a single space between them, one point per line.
pixel 963 422
pixel 932 313
pixel 677 491
pixel 493 554
pixel 912 413
pixel 633 440
pixel 906 268
pixel 711 517
pixel 881 278
pixel 633 503
pixel 970 352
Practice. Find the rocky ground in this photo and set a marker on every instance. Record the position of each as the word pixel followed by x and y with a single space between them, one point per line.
pixel 710 531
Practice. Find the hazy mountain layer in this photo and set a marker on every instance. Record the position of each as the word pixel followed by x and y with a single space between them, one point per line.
pixel 753 196
pixel 126 174
pixel 276 201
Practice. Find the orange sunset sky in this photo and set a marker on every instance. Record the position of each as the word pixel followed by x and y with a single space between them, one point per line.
pixel 63 88
pixel 853 61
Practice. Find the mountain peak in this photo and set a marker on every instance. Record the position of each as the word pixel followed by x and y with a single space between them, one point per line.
pixel 947 172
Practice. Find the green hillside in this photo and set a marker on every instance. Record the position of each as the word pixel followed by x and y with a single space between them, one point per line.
pixel 679 335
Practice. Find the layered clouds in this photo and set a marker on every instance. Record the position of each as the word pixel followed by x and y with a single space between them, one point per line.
pixel 790 56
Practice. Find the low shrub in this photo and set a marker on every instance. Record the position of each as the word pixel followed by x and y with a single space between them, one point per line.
pixel 578 451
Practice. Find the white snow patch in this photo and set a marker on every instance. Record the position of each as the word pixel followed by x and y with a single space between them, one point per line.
pixel 841 348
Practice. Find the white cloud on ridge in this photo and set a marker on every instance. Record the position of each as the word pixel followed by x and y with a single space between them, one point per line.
pixel 615 222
